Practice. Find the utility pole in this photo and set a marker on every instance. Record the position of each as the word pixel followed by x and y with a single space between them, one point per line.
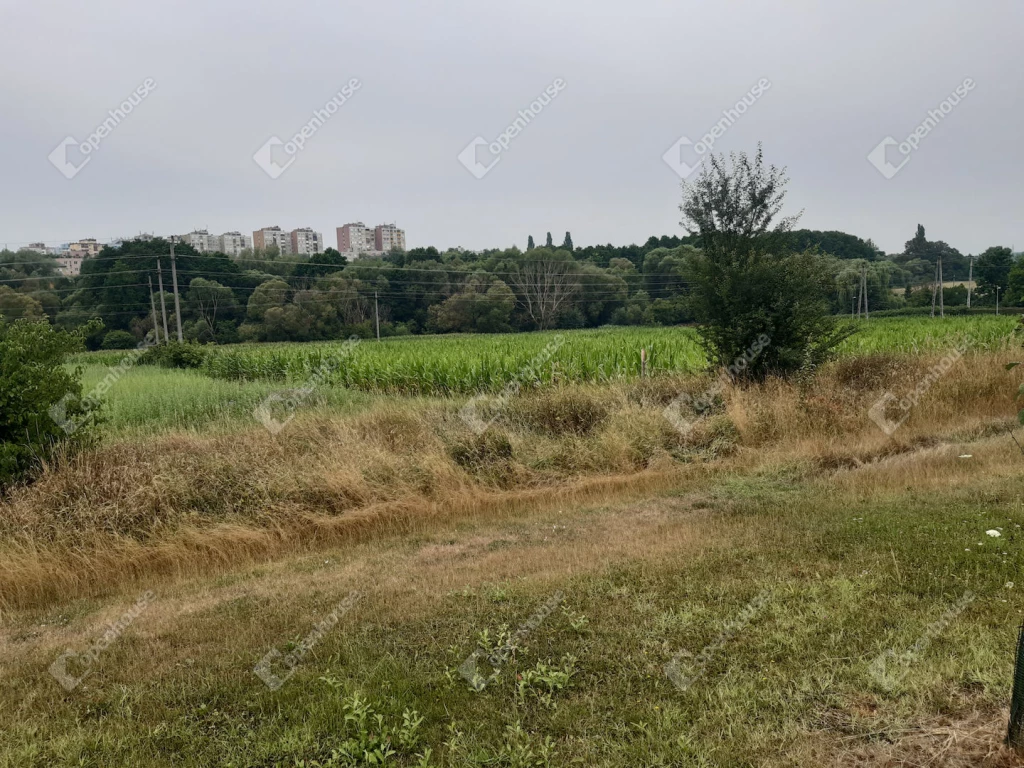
pixel 866 315
pixel 152 306
pixel 935 285
pixel 860 295
pixel 997 299
pixel 376 312
pixel 177 303
pixel 163 305
pixel 970 282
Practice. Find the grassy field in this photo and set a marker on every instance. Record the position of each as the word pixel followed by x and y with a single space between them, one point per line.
pixel 236 379
pixel 775 582
pixel 797 682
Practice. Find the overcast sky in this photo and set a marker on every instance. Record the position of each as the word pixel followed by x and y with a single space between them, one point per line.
pixel 638 76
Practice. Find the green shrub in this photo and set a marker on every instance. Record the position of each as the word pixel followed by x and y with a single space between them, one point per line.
pixel 118 340
pixel 41 405
pixel 175 355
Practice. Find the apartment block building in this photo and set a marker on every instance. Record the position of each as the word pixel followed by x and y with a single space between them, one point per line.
pixel 233 243
pixel 268 236
pixel 201 240
pixel 306 242
pixel 388 237
pixel 87 247
pixel 358 238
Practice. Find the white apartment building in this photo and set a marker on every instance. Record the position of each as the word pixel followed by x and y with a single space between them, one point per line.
pixel 233 243
pixel 201 240
pixel 268 236
pixel 306 242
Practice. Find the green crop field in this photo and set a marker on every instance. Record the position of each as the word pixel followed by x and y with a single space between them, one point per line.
pixel 461 364
pixel 234 379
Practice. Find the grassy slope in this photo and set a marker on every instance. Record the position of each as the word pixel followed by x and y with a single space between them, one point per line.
pixel 856 562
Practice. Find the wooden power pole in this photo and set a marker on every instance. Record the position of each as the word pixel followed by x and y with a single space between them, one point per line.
pixel 177 302
pixel 163 305
pixel 152 306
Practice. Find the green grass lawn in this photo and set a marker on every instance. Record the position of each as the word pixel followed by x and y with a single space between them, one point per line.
pixel 846 577
pixel 148 400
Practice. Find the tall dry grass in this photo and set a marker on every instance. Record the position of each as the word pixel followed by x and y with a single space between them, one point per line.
pixel 134 511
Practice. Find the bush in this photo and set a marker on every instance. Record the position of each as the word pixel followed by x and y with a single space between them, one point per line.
pixel 41 405
pixel 118 340
pixel 760 306
pixel 175 355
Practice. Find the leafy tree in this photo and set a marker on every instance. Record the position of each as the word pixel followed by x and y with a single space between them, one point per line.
pixel 567 243
pixel 548 243
pixel 529 243
pixel 1015 283
pixel 545 282
pixel 475 309
pixel 747 283
pixel 34 380
pixel 118 340
pixel 17 306
pixel 271 294
pixel 320 264
pixel 992 271
pixel 838 244
pixel 208 297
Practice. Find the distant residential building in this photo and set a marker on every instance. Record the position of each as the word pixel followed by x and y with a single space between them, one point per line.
pixel 233 243
pixel 307 242
pixel 201 240
pixel 268 236
pixel 38 248
pixel 356 238
pixel 70 265
pixel 388 237
pixel 87 247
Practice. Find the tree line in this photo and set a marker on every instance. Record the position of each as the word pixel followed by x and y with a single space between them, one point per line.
pixel 263 295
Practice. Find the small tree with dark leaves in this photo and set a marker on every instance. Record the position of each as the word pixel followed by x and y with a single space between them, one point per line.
pixel 745 283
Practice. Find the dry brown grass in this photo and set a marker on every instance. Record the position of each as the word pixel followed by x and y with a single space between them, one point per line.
pixel 975 740
pixel 177 505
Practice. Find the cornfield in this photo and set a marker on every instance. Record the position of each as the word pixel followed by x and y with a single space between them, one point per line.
pixel 465 364
pixel 447 365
